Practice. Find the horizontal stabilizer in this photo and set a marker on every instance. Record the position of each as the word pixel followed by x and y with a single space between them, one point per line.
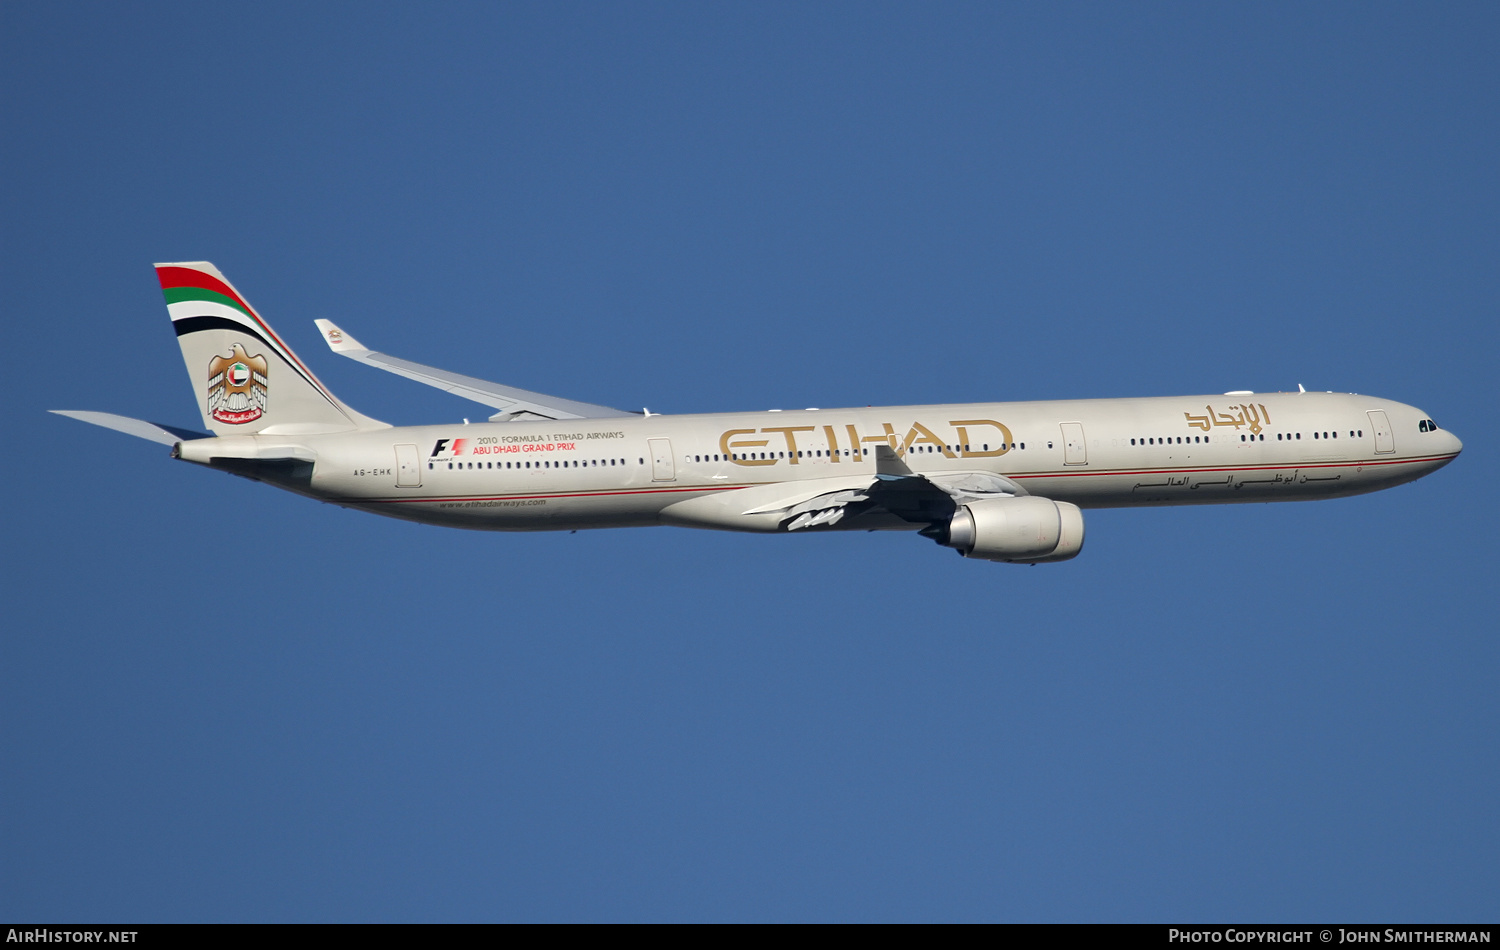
pixel 156 432
pixel 513 403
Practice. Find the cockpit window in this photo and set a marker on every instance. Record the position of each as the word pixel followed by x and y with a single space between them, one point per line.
pixel 1427 425
pixel 1422 426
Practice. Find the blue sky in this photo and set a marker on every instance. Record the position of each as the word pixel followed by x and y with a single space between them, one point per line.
pixel 224 702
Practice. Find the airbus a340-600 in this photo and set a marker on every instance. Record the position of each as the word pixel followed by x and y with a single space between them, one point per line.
pixel 996 481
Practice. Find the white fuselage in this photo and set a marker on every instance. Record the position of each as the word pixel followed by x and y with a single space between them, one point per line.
pixel 614 472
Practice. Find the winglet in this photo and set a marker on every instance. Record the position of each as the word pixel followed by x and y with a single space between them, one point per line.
pixel 513 403
pixel 338 341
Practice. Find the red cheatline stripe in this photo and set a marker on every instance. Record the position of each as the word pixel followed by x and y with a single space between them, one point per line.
pixel 711 488
pixel 1043 475
pixel 1245 468
pixel 188 277
pixel 581 494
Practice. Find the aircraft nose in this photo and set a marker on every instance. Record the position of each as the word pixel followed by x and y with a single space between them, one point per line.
pixel 1456 446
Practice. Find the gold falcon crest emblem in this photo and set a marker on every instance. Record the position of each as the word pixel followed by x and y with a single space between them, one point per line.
pixel 237 387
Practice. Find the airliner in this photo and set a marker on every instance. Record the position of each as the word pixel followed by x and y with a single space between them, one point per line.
pixel 1003 481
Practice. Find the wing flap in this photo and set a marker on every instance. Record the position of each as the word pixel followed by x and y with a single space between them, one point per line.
pixel 794 497
pixel 824 502
pixel 972 486
pixel 512 402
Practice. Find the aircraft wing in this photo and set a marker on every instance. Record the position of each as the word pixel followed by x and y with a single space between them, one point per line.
pixel 895 488
pixel 156 432
pixel 513 403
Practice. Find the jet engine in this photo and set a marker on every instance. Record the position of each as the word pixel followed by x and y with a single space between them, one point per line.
pixel 1022 530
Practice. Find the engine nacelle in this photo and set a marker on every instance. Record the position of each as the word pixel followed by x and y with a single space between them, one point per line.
pixel 1023 530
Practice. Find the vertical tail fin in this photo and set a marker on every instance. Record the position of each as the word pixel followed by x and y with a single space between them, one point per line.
pixel 246 378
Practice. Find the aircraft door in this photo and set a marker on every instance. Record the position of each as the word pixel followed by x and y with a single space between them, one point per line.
pixel 662 469
pixel 408 467
pixel 1384 444
pixel 1074 451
